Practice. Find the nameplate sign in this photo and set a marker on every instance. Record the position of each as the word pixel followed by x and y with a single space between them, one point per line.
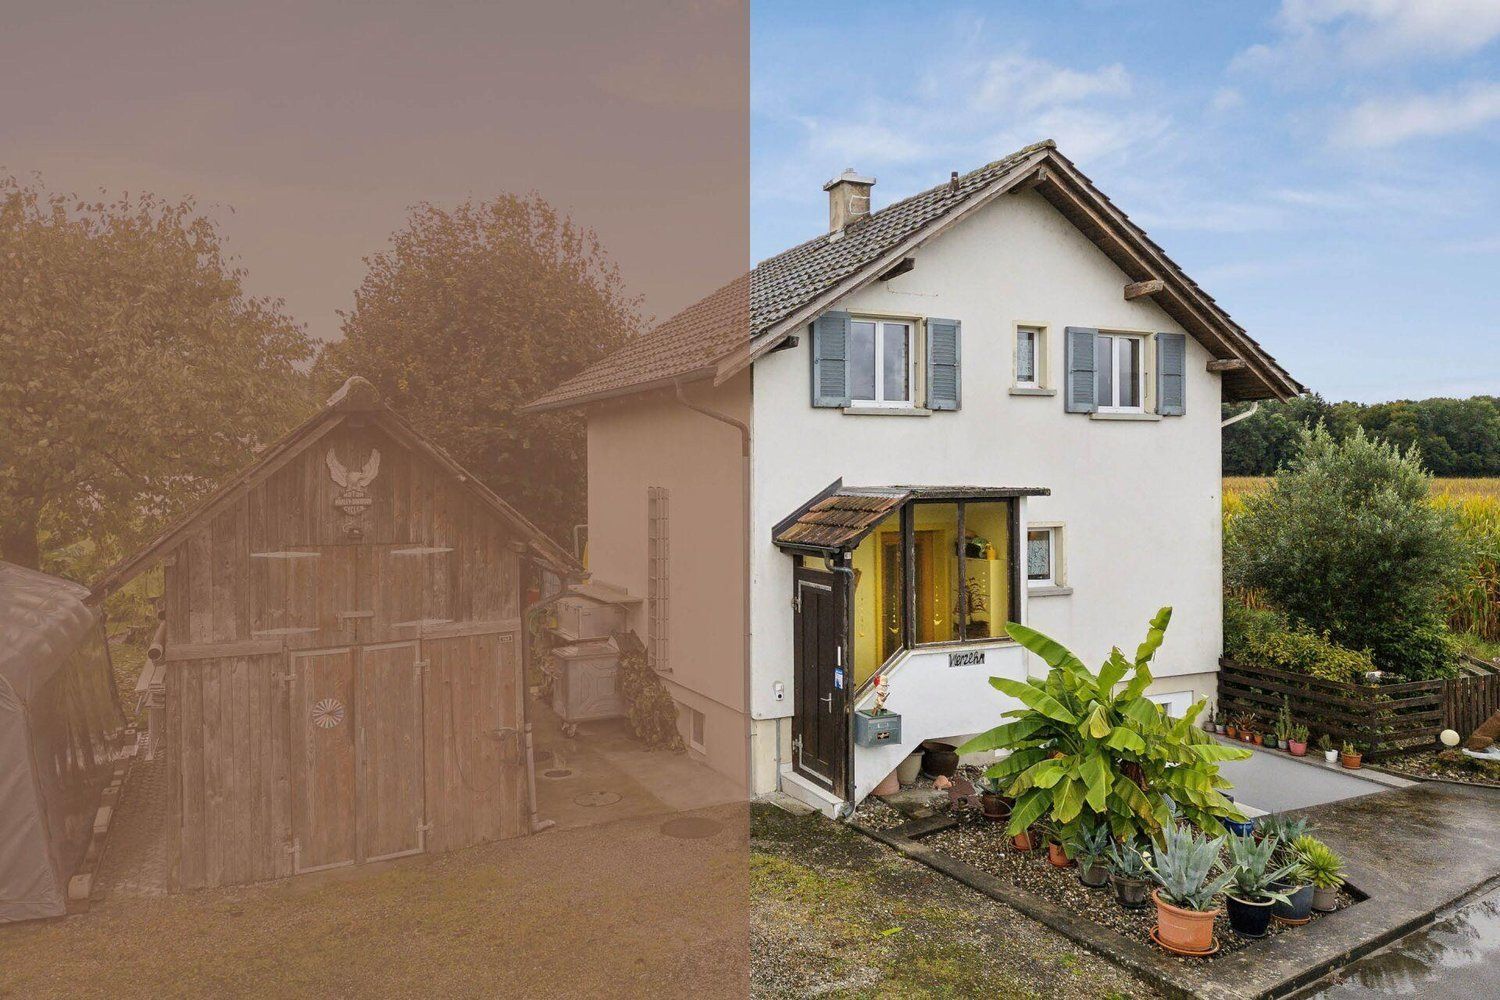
pixel 968 658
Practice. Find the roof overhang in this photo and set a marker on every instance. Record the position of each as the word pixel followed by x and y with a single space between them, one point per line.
pixel 839 517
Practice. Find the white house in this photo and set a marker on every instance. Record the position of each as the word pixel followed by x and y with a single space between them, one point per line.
pixel 994 400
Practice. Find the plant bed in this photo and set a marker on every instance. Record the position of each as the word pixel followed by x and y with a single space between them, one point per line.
pixel 985 847
pixel 1444 765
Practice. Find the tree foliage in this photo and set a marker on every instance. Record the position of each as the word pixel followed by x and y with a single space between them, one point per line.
pixel 135 371
pixel 1091 749
pixel 1345 542
pixel 1456 437
pixel 474 311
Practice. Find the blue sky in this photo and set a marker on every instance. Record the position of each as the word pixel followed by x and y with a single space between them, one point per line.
pixel 1329 170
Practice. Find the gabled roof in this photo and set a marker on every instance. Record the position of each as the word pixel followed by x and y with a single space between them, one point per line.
pixel 840 516
pixel 355 396
pixel 726 331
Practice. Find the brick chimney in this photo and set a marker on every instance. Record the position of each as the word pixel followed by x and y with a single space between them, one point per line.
pixel 848 199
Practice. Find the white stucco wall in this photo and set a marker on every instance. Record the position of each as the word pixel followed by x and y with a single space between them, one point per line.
pixel 1139 501
pixel 650 440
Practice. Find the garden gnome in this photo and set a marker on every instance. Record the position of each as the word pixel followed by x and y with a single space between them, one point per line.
pixel 882 690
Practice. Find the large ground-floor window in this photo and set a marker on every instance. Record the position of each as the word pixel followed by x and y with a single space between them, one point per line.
pixel 958 557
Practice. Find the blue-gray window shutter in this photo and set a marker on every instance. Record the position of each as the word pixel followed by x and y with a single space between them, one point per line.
pixel 1171 374
pixel 1078 388
pixel 943 356
pixel 830 359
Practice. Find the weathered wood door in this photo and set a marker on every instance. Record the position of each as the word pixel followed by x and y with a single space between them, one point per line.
pixel 324 820
pixel 819 723
pixel 388 736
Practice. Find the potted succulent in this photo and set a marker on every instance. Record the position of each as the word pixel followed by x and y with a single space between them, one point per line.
pixel 1296 743
pixel 1182 867
pixel 1324 868
pixel 1252 891
pixel 1218 723
pixel 1089 846
pixel 1325 744
pixel 1350 756
pixel 1232 729
pixel 1283 725
pixel 1128 875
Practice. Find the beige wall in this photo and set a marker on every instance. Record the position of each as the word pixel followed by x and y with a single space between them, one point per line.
pixel 653 440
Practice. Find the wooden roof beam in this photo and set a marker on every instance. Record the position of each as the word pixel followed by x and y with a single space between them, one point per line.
pixel 907 263
pixel 1140 289
pixel 1037 179
pixel 1228 365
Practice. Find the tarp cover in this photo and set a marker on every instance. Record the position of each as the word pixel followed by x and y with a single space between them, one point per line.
pixel 58 712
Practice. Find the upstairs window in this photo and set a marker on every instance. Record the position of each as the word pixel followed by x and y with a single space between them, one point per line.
pixel 1028 357
pixel 881 363
pixel 1120 372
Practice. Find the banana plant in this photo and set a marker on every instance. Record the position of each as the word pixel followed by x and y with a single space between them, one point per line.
pixel 1089 748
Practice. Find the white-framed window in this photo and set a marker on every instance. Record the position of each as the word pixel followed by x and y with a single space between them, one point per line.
pixel 697 730
pixel 1120 372
pixel 1175 704
pixel 1031 349
pixel 1041 556
pixel 658 582
pixel 882 362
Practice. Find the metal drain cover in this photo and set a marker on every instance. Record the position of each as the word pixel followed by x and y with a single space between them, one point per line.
pixel 597 798
pixel 558 773
pixel 691 827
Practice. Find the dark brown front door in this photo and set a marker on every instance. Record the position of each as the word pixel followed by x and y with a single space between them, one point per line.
pixel 820 727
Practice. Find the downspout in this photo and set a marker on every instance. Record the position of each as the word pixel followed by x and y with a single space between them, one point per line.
pixel 535 824
pixel 744 430
pixel 846 810
pixel 1240 416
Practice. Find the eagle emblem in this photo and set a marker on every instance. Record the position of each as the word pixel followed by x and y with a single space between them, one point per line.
pixel 355 482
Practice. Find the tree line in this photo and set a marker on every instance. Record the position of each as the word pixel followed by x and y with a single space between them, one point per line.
pixel 1455 437
pixel 137 373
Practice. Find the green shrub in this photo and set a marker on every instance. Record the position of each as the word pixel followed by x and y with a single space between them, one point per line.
pixel 1263 637
pixel 1346 542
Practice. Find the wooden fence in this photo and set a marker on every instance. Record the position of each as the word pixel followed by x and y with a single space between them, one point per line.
pixel 1384 719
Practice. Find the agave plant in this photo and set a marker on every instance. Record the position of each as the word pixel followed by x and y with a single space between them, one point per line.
pixel 1093 748
pixel 1324 868
pixel 1089 845
pixel 1128 860
pixel 1183 866
pixel 1284 830
pixel 1251 876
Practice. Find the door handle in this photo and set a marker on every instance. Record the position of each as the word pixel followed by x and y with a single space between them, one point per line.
pixel 827 699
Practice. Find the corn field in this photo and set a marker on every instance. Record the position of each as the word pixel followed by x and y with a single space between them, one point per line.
pixel 1474 605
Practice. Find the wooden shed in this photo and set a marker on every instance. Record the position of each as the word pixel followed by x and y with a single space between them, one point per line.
pixel 343 655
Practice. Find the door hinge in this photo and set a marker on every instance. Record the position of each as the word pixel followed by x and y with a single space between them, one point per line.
pixel 797 602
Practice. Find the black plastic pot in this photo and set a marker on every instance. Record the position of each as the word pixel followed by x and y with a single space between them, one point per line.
pixel 1248 919
pixel 1093 876
pixel 939 760
pixel 1131 893
pixel 1300 908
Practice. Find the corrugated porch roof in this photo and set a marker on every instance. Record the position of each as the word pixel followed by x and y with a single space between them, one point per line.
pixel 839 516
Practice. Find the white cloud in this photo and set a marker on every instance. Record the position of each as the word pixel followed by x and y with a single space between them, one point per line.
pixel 1316 33
pixel 1226 99
pixel 1383 122
pixel 1018 82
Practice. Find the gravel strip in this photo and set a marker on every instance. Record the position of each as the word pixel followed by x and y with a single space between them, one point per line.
pixel 985 846
pixel 1450 765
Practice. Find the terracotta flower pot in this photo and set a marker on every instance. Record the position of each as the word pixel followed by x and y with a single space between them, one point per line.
pixel 1232 732
pixel 889 785
pixel 994 806
pixel 1257 739
pixel 1296 749
pixel 1058 855
pixel 1023 841
pixel 1352 761
pixel 1189 931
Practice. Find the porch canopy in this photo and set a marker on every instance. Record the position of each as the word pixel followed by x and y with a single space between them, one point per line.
pixel 839 517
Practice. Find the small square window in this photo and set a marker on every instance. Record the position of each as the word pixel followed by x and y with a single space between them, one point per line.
pixel 1041 557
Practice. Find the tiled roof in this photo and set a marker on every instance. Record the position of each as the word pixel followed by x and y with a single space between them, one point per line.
pixel 701 335
pixel 840 516
pixel 707 333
